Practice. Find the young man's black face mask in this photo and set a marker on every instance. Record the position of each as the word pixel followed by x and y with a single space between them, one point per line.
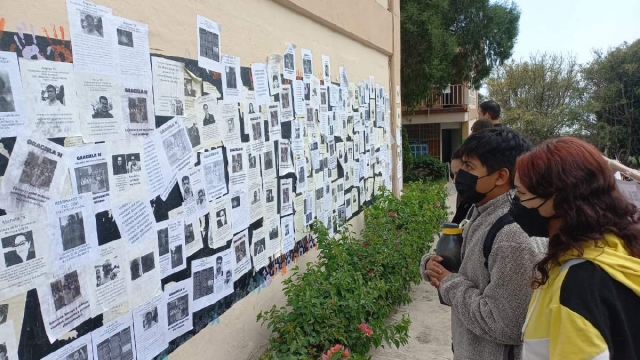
pixel 529 219
pixel 466 187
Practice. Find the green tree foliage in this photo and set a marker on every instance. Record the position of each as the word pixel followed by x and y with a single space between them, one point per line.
pixel 613 82
pixel 542 97
pixel 407 157
pixel 453 41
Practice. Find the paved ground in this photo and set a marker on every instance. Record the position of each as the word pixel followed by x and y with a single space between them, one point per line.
pixel 431 323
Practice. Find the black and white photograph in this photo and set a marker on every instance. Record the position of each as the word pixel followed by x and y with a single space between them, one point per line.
pixel 201 201
pixel 273 233
pixel 231 124
pixel 240 251
pixel 7 103
pixel 256 197
pixel 215 171
pixel 208 119
pixel 188 87
pixel 252 162
pixel 176 257
pixel 259 247
pixel 270 197
pixel 194 134
pixel 286 229
pixel 163 241
pixel 148 263
pixel 221 218
pixel 219 270
pixel 106 273
pixel 135 269
pixel 92 178
pixel 80 354
pixel 257 131
pixel 268 160
pixel 288 62
pixel 106 227
pixel 209 45
pixel 102 108
pixel 38 171
pixel 150 319
pixel 231 77
pixel 319 194
pixel 133 163
pixel 189 235
pixel 203 283
pixel 118 346
pixel 125 38
pixel 142 265
pixel 72 230
pixel 273 115
pixel 306 66
pixel 286 102
pixel 91 24
pixel 4 313
pixel 187 192
pixel 119 164
pixel 176 147
pixel 236 163
pixel 137 107
pixel 178 309
pixel 285 196
pixel 301 176
pixel 235 202
pixel 65 290
pixel 18 248
pixel 284 154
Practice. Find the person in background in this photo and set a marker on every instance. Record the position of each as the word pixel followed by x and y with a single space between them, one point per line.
pixel 481 124
pixel 488 296
pixel 587 293
pixel 490 110
pixel 462 207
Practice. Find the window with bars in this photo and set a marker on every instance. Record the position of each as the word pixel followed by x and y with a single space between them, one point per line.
pixel 424 139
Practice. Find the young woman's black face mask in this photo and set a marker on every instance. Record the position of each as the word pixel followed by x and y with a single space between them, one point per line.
pixel 529 219
pixel 466 187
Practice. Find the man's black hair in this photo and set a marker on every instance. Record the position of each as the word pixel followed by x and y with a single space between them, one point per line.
pixel 457 154
pixel 103 98
pixel 481 125
pixel 496 148
pixel 492 108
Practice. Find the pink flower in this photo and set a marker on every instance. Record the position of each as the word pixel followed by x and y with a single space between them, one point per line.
pixel 370 272
pixel 366 329
pixel 335 349
pixel 392 214
pixel 346 354
pixel 366 244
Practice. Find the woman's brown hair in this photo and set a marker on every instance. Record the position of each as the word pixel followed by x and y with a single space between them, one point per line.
pixel 587 198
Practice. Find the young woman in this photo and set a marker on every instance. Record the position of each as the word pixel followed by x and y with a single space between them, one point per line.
pixel 587 298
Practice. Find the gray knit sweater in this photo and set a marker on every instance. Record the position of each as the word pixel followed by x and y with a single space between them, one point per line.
pixel 488 307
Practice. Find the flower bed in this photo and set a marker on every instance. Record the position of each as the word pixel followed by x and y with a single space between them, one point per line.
pixel 339 307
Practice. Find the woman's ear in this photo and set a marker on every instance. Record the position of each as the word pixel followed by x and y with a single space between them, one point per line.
pixel 504 177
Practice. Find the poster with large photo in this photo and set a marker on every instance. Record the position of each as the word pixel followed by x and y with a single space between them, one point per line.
pixel 307 64
pixel 35 174
pixel 272 226
pixel 255 199
pixel 240 246
pixel 127 177
pixel 168 87
pixel 259 252
pixel 13 117
pixel 25 252
pixel 220 229
pixel 173 140
pixel 109 286
pixel 213 163
pixel 208 118
pixel 209 50
pixel 179 308
pixel 230 123
pixel 289 62
pixel 203 271
pixel 286 104
pixel 92 31
pixel 285 163
pixel 273 117
pixel 192 90
pixel 65 301
pixel 50 97
pixel 79 349
pixel 137 108
pixel 273 73
pixel 115 340
pixel 132 49
pixel 286 197
pixel 231 81
pixel 71 228
pixel 89 172
pixel 143 273
pixel 225 267
pixel 100 110
pixel 268 161
pixel 192 185
pixel 193 232
pixel 288 235
pixel 171 246
pixel 240 213
pixel 270 195
pixel 238 165
pixel 150 328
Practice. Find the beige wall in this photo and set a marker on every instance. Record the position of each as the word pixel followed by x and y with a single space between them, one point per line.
pixel 362 35
pixel 435 118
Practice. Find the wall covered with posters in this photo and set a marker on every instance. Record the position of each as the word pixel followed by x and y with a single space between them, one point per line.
pixel 161 165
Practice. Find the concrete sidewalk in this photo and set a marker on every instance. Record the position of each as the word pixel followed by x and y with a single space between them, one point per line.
pixel 430 329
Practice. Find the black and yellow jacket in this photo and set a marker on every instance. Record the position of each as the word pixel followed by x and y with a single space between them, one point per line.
pixel 589 309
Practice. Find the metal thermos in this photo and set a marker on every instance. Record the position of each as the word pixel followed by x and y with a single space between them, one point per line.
pixel 450 248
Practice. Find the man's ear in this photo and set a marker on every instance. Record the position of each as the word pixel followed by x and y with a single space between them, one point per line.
pixel 504 177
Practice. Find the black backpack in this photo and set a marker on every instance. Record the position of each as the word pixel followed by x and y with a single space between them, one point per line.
pixel 502 221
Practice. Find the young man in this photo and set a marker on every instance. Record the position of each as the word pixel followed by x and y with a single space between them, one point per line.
pixel 488 300
pixel 490 110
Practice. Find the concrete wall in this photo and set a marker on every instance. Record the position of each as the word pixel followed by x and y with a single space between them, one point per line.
pixel 362 35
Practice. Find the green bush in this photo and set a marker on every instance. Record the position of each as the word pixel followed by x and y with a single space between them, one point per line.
pixel 425 168
pixel 347 296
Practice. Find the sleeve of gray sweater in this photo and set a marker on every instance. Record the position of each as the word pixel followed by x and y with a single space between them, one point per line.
pixel 498 312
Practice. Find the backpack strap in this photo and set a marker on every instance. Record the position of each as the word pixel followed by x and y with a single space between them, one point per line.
pixel 502 221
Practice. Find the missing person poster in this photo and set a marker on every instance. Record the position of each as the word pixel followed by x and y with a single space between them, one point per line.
pixel 13 117
pixel 132 49
pixel 137 108
pixel 194 195
pixel 135 221
pixel 220 230
pixel 255 199
pixel 260 83
pixel 89 171
pixel 289 62
pixel 307 64
pixel 203 271
pixel 172 141
pixel 71 228
pixel 65 301
pixel 50 97
pixel 127 178
pixel 230 123
pixel 9 345
pixel 143 272
pixel 240 246
pixel 100 110
pixel 259 252
pixel 238 165
pixel 326 69
pixel 114 340
pixel 288 234
pixel 272 226
pixel 171 246
pixel 179 308
pixel 285 163
pixel 168 86
pixel 150 328
pixel 273 117
pixel 35 174
pixel 214 174
pixel 286 103
pixel 225 267
pixel 79 349
pixel 268 161
pixel 25 252
pixel 240 213
pixel 208 118
pixel 109 286
pixel 273 73
pixel 286 197
pixel 209 49
pixel 92 31
pixel 193 232
pixel 231 81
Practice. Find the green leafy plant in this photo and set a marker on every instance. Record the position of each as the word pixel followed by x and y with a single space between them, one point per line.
pixel 425 168
pixel 340 306
pixel 407 156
